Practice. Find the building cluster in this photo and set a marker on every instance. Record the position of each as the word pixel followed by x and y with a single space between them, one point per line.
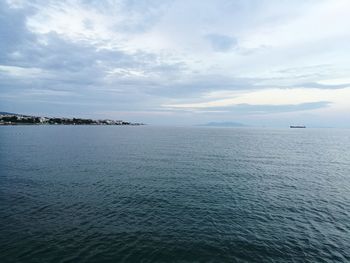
pixel 13 119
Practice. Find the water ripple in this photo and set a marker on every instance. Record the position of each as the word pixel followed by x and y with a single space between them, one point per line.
pixel 126 194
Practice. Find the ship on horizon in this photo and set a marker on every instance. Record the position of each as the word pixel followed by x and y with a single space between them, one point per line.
pixel 298 126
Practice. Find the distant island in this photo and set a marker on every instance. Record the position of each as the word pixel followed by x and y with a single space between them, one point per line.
pixel 7 118
pixel 224 124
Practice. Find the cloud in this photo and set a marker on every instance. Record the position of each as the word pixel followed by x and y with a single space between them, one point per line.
pixel 197 58
pixel 266 109
pixel 221 43
pixel 251 109
pixel 321 85
pixel 270 100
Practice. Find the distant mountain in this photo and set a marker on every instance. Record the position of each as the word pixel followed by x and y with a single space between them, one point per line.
pixel 224 124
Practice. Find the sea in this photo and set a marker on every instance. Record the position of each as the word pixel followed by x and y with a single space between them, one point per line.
pixel 174 194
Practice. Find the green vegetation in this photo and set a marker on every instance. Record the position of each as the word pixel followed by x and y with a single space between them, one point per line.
pixel 15 119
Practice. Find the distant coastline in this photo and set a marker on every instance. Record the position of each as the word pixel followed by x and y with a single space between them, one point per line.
pixel 19 119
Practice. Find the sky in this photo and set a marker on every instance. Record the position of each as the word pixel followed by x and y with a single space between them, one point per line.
pixel 258 62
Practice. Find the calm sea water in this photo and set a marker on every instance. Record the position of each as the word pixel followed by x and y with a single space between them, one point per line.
pixel 153 194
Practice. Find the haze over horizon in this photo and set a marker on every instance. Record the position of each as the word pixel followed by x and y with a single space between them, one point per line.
pixel 267 63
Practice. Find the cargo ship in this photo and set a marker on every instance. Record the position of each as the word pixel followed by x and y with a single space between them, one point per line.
pixel 298 126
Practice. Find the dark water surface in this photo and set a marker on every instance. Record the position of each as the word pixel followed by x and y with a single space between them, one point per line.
pixel 152 194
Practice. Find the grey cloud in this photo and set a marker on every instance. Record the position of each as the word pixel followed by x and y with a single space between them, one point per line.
pixel 221 43
pixel 12 30
pixel 77 67
pixel 280 108
pixel 323 86
pixel 199 84
pixel 264 109
pixel 75 75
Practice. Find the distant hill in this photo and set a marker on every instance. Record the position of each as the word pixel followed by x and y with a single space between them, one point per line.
pixel 7 118
pixel 8 113
pixel 224 124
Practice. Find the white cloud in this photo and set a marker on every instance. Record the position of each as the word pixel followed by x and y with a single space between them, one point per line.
pixel 320 21
pixel 21 72
pixel 276 97
pixel 335 81
pixel 73 21
pixel 197 55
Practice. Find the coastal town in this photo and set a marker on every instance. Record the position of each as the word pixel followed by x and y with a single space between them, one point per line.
pixel 18 119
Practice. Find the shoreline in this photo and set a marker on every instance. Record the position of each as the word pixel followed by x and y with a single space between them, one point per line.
pixel 12 119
